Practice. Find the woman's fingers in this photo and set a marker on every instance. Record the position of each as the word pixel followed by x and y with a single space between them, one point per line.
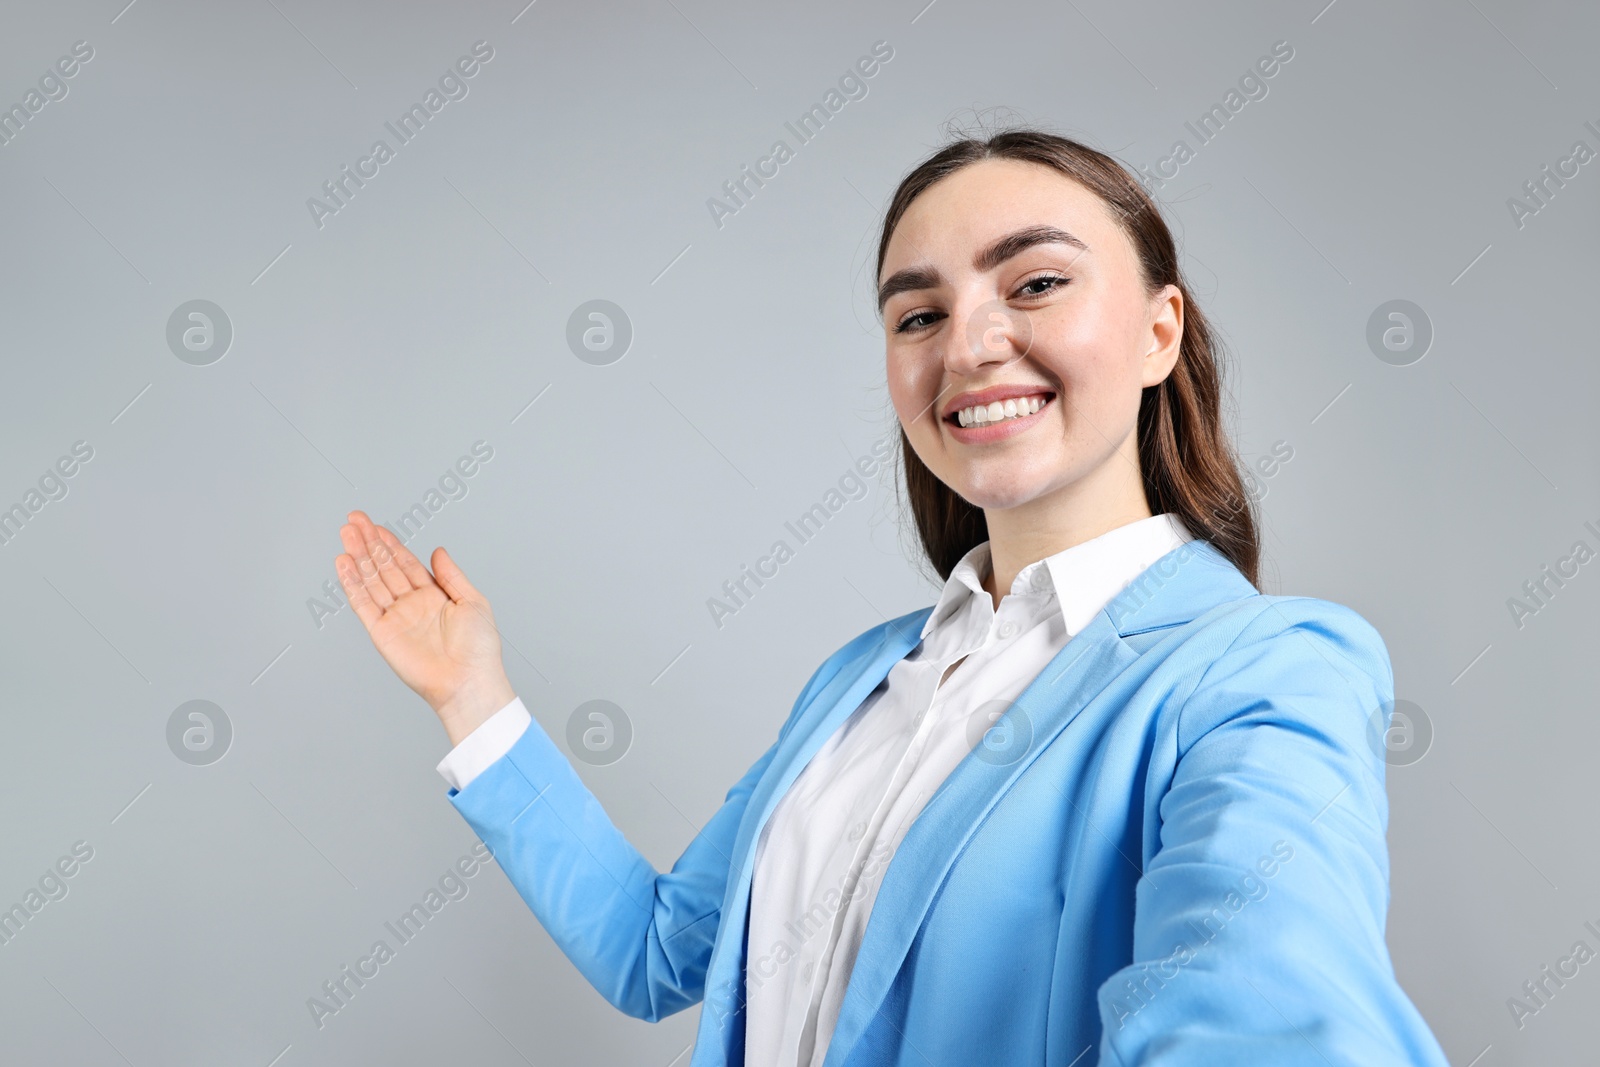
pixel 355 544
pixel 410 565
pixel 355 590
pixel 376 570
pixel 383 559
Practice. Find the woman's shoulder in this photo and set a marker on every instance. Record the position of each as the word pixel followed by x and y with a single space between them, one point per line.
pixel 1276 617
pixel 1302 654
pixel 1201 608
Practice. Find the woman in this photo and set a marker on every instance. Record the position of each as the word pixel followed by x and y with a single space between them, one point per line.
pixel 1102 802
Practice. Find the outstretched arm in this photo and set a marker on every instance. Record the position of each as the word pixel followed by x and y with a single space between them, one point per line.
pixel 1259 921
pixel 642 938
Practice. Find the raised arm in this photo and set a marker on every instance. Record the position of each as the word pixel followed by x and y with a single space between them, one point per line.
pixel 642 938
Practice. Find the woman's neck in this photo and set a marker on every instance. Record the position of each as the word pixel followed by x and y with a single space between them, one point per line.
pixel 1028 533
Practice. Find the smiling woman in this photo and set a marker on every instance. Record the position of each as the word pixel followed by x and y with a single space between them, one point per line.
pixel 1095 315
pixel 1052 792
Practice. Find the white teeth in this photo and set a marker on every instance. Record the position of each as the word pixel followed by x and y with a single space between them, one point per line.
pixel 998 411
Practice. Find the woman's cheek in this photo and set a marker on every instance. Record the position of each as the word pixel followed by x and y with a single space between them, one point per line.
pixel 908 390
pixel 1091 374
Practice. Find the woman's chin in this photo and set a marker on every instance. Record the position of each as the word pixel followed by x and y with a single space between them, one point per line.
pixel 998 495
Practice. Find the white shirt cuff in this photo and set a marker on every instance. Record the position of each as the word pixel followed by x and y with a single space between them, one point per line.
pixel 483 746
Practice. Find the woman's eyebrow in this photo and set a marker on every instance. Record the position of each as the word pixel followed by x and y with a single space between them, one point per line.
pixel 988 258
pixel 1013 243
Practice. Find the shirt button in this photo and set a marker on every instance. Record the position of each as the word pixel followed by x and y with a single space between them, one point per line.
pixel 1008 628
pixel 806 974
pixel 857 830
pixel 1041 581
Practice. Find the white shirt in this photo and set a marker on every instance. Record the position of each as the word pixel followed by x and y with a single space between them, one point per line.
pixel 821 855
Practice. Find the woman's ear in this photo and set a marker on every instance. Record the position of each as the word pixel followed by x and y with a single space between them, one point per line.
pixel 1166 335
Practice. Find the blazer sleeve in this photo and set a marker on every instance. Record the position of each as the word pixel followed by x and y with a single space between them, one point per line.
pixel 643 939
pixel 1259 921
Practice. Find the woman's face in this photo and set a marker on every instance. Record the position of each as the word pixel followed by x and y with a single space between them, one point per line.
pixel 1005 280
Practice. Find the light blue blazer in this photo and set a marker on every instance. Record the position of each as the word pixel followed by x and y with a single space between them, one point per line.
pixel 1170 850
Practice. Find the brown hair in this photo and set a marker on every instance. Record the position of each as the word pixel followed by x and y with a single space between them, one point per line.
pixel 1188 464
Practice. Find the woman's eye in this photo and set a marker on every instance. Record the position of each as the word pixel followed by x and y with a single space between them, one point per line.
pixel 909 322
pixel 1049 281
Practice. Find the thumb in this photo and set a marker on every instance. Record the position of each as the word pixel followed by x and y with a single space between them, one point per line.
pixel 451 578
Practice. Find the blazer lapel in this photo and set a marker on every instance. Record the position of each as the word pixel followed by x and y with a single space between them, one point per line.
pixel 841 697
pixel 1181 585
pixel 720 1021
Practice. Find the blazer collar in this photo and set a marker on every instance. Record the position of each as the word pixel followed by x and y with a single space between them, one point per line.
pixel 1179 586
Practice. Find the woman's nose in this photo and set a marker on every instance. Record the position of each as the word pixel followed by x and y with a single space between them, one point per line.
pixel 990 331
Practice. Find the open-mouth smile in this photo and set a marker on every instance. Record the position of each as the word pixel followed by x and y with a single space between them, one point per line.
pixel 999 419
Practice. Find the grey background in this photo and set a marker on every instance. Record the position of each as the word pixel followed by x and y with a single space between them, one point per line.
pixel 370 354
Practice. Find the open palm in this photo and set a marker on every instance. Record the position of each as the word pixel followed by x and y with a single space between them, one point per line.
pixel 435 630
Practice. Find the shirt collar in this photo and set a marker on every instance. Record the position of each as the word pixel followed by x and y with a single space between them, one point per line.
pixel 1083 578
